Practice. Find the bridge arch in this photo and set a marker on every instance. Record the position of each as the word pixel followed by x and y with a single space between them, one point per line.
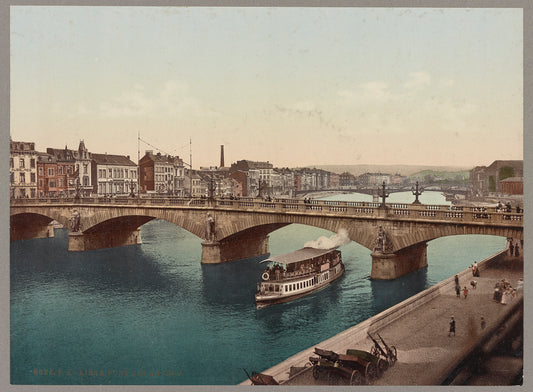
pixel 28 225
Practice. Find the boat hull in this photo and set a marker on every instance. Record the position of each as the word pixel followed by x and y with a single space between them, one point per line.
pixel 267 300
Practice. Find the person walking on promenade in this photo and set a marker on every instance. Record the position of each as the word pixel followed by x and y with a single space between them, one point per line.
pixel 457 287
pixel 452 327
pixel 517 250
pixel 511 248
pixel 465 291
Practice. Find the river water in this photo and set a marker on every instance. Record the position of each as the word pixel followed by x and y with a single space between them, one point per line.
pixel 152 314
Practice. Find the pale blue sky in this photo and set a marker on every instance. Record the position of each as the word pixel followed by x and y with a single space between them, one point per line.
pixel 296 86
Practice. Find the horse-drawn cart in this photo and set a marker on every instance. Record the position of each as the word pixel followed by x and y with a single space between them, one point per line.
pixel 388 352
pixel 354 368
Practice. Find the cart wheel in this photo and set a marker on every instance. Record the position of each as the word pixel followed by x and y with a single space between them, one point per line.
pixel 371 372
pixel 356 378
pixel 382 366
pixel 316 372
pixel 393 356
pixel 374 351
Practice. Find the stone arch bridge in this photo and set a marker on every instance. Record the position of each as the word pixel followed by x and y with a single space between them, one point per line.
pixel 396 234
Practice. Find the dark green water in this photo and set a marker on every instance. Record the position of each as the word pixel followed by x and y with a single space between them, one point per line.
pixel 152 314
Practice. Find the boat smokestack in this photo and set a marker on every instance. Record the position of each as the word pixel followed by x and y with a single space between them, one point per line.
pixel 221 156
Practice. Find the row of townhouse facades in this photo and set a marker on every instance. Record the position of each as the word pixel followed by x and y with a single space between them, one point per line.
pixel 67 172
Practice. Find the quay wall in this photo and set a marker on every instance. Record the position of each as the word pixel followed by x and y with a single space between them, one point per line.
pixel 357 335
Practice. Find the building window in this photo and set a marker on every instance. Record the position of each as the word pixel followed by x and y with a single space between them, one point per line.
pixel 40 183
pixel 32 177
pixel 32 163
pixel 50 171
pixel 60 170
pixel 85 169
pixel 52 183
pixel 21 163
pixel 60 183
pixel 40 171
pixel 11 164
pixel 22 178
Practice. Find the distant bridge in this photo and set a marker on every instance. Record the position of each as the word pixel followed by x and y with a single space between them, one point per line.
pixel 396 234
pixel 365 190
pixel 374 191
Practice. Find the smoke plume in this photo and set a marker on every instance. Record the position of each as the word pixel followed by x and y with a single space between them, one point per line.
pixel 336 240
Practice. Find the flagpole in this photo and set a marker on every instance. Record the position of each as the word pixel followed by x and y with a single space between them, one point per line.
pixel 138 163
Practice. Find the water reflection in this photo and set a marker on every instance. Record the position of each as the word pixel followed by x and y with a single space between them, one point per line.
pixel 124 270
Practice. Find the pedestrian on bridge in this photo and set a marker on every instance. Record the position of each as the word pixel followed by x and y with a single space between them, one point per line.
pixel 452 327
pixel 465 291
pixel 458 290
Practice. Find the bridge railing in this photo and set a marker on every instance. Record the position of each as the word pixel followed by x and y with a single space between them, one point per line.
pixel 460 214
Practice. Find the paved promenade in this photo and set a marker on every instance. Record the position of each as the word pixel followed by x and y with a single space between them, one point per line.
pixel 418 328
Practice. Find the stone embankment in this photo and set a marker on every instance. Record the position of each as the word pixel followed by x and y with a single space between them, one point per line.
pixel 418 328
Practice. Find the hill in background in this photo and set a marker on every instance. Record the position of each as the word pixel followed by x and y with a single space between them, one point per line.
pixel 404 170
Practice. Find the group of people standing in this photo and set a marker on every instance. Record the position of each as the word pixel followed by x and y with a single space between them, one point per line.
pixel 507 207
pixel 514 247
pixel 464 289
pixel 503 292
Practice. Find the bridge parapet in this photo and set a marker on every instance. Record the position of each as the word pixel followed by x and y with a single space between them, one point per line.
pixel 425 212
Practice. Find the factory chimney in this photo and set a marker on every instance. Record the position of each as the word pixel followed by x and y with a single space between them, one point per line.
pixel 222 156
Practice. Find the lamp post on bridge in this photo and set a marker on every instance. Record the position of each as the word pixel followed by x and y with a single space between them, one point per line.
pixel 77 188
pixel 132 190
pixel 383 195
pixel 417 193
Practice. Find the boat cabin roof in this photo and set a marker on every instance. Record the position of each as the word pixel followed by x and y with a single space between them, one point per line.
pixel 298 256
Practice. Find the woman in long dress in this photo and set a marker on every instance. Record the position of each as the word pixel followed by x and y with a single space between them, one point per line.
pixel 505 297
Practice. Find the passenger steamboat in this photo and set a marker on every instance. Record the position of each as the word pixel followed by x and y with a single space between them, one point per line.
pixel 297 274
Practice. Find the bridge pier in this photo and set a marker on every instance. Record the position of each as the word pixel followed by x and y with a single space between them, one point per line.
pixel 78 242
pixel 388 266
pixel 234 249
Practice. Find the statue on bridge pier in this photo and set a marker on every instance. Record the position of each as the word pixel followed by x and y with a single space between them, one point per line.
pixel 75 221
pixel 210 228
pixel 382 245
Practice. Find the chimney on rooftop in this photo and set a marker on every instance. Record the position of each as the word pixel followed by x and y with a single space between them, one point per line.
pixel 222 156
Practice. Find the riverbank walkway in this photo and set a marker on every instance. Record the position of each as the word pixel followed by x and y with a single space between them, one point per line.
pixel 419 328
